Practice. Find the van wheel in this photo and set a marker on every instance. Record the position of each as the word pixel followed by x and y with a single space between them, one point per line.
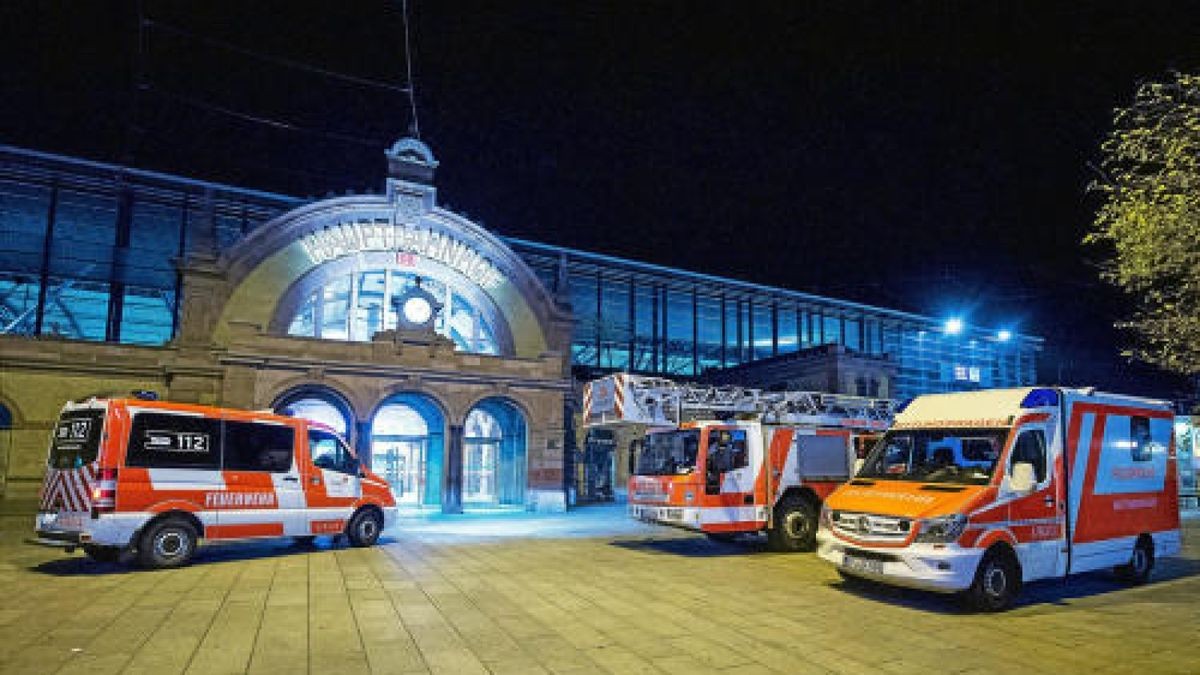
pixel 795 526
pixel 364 528
pixel 167 543
pixel 104 554
pixel 997 582
pixel 1141 563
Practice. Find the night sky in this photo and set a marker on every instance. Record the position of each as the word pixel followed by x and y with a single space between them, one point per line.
pixel 931 157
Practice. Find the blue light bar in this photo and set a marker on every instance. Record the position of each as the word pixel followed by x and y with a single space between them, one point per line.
pixel 1040 398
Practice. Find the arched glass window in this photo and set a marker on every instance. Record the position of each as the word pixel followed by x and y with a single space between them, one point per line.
pixel 406 449
pixel 356 306
pixel 494 455
pixel 317 410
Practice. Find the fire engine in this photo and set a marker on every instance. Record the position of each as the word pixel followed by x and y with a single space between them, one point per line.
pixel 146 478
pixel 980 492
pixel 731 460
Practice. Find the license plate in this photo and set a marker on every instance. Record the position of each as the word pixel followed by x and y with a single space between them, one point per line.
pixel 856 564
pixel 63 520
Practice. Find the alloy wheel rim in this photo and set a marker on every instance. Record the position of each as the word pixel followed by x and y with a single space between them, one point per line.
pixel 995 581
pixel 169 544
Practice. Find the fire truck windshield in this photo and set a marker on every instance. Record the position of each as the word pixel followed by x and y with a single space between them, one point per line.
pixel 965 456
pixel 668 453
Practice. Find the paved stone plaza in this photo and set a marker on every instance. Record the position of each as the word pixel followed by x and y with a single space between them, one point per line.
pixel 583 592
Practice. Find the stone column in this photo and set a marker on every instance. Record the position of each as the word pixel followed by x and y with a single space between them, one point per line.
pixel 362 442
pixel 452 486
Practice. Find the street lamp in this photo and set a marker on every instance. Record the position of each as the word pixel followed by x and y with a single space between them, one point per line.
pixel 953 326
pixel 1004 335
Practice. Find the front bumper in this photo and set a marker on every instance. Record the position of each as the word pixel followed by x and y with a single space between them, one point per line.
pixel 942 568
pixel 60 539
pixel 674 516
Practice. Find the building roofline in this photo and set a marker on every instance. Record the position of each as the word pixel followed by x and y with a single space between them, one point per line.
pixel 748 285
pixel 291 201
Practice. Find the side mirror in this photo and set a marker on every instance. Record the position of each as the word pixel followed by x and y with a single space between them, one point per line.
pixel 1022 479
pixel 858 466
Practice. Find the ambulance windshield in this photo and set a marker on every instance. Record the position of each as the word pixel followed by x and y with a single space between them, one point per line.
pixel 668 453
pixel 965 456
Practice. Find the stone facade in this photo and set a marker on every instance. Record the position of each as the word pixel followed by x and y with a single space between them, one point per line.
pixel 232 349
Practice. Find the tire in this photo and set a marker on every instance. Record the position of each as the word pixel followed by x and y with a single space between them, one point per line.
pixel 1141 563
pixel 795 527
pixel 997 582
pixel 170 542
pixel 102 554
pixel 364 528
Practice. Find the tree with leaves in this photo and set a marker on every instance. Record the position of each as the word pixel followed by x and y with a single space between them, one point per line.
pixel 1149 220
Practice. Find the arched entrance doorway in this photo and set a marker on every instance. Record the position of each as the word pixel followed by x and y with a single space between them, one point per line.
pixel 407 444
pixel 494 449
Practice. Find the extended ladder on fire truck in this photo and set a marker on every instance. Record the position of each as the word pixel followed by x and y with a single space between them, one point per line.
pixel 622 398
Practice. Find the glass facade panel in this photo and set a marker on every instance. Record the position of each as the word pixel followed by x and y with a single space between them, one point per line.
pixel 585 307
pixel 679 334
pixel 18 303
pixel 369 299
pixel 733 334
pixel 831 330
pixel 76 309
pixel 23 211
pixel 614 327
pixel 764 332
pixel 645 330
pixel 853 336
pixel 789 330
pixel 709 318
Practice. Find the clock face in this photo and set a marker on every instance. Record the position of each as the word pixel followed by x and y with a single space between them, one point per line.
pixel 417 310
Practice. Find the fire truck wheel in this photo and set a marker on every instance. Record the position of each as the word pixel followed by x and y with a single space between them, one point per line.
pixel 364 528
pixel 104 554
pixel 795 526
pixel 167 543
pixel 997 582
pixel 1141 563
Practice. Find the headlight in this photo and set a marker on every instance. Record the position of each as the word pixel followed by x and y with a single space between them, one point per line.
pixel 941 530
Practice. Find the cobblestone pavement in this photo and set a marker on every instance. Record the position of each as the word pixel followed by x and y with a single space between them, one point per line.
pixel 584 592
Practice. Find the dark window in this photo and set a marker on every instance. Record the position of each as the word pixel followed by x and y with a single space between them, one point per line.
pixel 727 447
pixel 1031 447
pixel 1139 435
pixel 255 446
pixel 328 452
pixel 164 440
pixel 76 439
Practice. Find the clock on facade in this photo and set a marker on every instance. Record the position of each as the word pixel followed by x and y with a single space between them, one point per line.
pixel 416 308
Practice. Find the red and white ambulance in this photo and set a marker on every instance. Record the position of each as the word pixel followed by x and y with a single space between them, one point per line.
pixel 153 478
pixel 983 491
pixel 731 460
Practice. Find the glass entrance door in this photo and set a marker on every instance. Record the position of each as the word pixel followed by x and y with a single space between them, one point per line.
pixel 479 471
pixel 402 463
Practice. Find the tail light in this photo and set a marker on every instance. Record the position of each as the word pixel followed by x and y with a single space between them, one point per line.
pixel 104 494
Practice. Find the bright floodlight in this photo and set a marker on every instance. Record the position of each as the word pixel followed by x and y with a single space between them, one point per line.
pixel 953 326
pixel 1004 335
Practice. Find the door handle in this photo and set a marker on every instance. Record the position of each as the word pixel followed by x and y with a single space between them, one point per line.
pixel 1048 501
pixel 291 479
pixel 316 480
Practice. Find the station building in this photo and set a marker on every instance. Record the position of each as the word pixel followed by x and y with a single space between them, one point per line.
pixel 448 355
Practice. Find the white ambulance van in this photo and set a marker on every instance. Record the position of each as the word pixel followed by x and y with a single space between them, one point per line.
pixel 982 491
pixel 151 479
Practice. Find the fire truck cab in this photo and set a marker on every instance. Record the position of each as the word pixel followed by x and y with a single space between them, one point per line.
pixel 145 478
pixel 724 460
pixel 979 492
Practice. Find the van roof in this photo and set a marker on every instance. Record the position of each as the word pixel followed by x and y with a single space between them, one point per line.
pixel 995 407
pixel 182 407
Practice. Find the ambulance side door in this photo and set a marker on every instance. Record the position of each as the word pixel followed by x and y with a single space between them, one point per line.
pixel 1037 518
pixel 333 484
pixel 262 479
